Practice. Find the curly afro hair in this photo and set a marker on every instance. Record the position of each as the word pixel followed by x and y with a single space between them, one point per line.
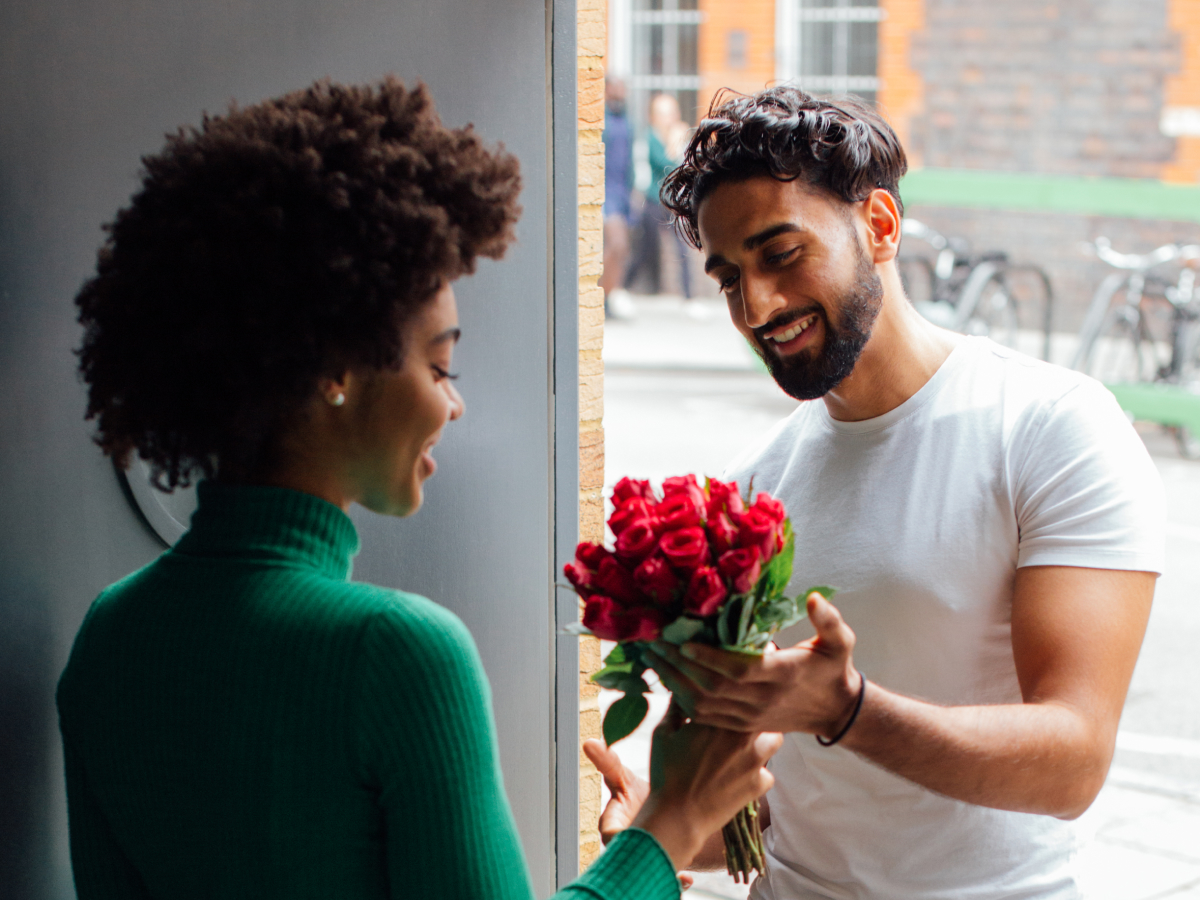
pixel 843 148
pixel 272 246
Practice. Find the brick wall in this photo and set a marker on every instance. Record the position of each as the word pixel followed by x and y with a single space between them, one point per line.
pixel 1074 87
pixel 901 92
pixel 1183 88
pixel 756 18
pixel 592 39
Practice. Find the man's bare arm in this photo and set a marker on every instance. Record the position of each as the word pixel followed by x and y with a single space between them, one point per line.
pixel 1076 635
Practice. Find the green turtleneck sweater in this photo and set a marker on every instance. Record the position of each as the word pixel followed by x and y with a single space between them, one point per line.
pixel 241 720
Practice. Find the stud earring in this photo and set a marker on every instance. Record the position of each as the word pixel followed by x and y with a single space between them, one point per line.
pixel 338 399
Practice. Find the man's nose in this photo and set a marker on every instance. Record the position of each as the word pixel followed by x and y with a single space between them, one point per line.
pixel 761 301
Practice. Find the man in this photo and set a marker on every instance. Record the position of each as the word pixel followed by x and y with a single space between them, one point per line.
pixel 993 523
pixel 618 185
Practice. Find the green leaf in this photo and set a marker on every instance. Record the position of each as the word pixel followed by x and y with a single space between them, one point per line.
pixel 744 621
pixel 617 656
pixel 625 682
pixel 730 612
pixel 682 630
pixel 779 570
pixel 824 591
pixel 575 628
pixel 770 616
pixel 624 716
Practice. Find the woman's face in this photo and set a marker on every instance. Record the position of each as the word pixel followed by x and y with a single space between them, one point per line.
pixel 401 413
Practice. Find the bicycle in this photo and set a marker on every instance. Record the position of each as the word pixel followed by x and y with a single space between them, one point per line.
pixel 1150 331
pixel 970 293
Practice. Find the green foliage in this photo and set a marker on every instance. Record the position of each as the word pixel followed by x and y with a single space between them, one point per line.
pixel 682 630
pixel 624 716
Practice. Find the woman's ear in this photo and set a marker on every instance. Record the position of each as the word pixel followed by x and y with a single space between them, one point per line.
pixel 883 225
pixel 334 391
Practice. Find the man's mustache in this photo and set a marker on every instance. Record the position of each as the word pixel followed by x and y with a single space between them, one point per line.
pixel 788 317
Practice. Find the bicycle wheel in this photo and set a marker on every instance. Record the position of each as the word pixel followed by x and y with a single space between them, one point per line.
pixel 917 278
pixel 1121 350
pixel 986 307
pixel 1187 440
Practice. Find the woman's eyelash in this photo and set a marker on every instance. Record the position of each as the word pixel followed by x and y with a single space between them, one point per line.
pixel 442 373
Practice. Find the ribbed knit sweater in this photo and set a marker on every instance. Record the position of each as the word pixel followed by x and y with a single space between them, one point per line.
pixel 242 721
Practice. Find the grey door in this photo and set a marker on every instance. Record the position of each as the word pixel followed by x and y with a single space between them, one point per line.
pixel 85 89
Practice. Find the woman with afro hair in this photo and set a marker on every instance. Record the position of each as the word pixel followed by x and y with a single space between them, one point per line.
pixel 273 315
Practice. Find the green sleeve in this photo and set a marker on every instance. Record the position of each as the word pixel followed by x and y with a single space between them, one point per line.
pixel 100 867
pixel 428 743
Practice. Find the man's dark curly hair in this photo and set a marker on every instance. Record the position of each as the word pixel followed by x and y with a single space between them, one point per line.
pixel 841 147
pixel 272 246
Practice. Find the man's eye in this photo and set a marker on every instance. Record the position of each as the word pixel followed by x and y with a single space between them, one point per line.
pixel 777 258
pixel 442 373
pixel 727 284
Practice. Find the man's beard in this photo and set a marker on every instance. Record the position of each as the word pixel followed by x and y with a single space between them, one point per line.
pixel 811 374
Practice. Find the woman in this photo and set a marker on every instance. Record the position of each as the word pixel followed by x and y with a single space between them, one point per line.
pixel 273 312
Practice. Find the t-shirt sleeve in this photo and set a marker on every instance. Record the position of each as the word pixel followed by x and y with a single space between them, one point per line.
pixel 1086 491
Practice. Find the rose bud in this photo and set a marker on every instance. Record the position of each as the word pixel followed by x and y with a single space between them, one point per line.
pixel 616 581
pixel 627 488
pixel 723 532
pixel 757 529
pixel 589 555
pixel 684 484
pixel 677 511
pixel 685 548
pixel 579 577
pixel 724 497
pixel 742 568
pixel 705 592
pixel 630 511
pixel 636 541
pixel 642 623
pixel 657 581
pixel 771 507
pixel 600 615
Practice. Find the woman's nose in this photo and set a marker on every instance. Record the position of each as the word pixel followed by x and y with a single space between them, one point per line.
pixel 457 405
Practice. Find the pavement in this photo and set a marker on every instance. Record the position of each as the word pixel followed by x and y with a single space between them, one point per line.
pixel 683 392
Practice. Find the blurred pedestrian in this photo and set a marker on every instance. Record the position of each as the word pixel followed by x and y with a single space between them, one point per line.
pixel 666 141
pixel 618 186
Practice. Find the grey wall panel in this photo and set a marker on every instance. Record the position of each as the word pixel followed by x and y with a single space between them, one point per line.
pixel 85 89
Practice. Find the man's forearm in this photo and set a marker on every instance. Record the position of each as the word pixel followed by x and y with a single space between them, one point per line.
pixel 1033 757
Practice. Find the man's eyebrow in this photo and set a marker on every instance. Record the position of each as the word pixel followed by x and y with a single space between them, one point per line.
pixel 450 334
pixel 754 242
pixel 757 240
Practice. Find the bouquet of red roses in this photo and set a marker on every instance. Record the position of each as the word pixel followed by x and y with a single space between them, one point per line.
pixel 697 564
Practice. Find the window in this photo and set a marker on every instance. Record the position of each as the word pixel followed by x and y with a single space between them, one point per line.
pixel 829 46
pixel 656 49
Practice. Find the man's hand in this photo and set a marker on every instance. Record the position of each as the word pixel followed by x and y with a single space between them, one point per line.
pixel 810 687
pixel 628 791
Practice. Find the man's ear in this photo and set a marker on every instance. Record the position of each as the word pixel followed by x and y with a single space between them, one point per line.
pixel 883 225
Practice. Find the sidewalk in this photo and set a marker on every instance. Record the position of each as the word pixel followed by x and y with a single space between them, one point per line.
pixel 675 382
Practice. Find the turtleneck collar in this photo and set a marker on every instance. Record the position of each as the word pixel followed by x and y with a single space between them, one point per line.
pixel 253 521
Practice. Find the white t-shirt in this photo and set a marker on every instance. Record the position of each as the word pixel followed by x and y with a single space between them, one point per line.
pixel 921 518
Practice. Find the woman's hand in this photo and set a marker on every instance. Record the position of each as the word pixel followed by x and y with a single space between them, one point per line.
pixel 699 778
pixel 628 791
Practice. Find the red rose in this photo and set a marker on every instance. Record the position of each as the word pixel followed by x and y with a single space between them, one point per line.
pixel 589 555
pixel 636 541
pixel 656 579
pixel 757 529
pixel 616 581
pixel 600 617
pixel 678 511
pixel 771 507
pixel 685 548
pixel 627 488
pixel 684 484
pixel 643 623
pixel 723 532
pixel 742 568
pixel 724 497
pixel 705 592
pixel 579 576
pixel 629 512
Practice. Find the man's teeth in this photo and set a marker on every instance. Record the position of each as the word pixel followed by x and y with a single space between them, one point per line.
pixel 793 332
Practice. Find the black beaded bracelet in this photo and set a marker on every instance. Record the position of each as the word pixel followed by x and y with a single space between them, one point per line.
pixel 862 692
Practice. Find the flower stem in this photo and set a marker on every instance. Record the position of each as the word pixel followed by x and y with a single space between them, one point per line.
pixel 743 844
